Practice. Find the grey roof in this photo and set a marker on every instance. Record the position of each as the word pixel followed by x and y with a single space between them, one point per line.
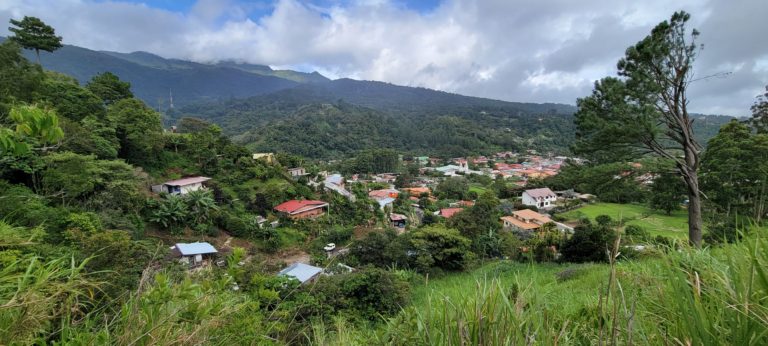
pixel 187 181
pixel 385 201
pixel 188 249
pixel 335 179
pixel 448 168
pixel 302 272
pixel 540 193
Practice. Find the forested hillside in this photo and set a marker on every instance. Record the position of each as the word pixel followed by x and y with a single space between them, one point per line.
pixel 154 78
pixel 324 120
pixel 283 110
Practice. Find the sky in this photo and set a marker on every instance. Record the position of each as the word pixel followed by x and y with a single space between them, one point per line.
pixel 525 51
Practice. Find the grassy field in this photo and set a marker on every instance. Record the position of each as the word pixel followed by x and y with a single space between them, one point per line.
pixel 655 222
pixel 479 189
pixel 576 288
pixel 653 301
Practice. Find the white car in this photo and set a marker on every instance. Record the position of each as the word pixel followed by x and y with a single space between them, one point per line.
pixel 329 247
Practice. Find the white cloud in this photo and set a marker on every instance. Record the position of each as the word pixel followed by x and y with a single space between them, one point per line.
pixel 544 51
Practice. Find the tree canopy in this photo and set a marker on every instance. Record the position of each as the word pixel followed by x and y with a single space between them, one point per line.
pixel 645 110
pixel 33 33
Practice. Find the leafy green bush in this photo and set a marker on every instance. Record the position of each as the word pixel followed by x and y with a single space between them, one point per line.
pixel 636 233
pixel 368 293
pixel 588 244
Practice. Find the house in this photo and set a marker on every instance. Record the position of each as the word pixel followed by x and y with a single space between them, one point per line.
pixel 385 178
pixel 336 183
pixel 297 172
pixel 449 212
pixel 383 193
pixel 449 170
pixel 540 198
pixel 416 191
pixel 465 204
pixel 384 202
pixel 266 157
pixel 398 220
pixel 304 209
pixel 384 197
pixel 567 194
pixel 181 186
pixel 302 272
pixel 525 220
pixel 193 254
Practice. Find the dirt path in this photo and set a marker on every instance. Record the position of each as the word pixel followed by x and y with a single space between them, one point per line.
pixel 290 257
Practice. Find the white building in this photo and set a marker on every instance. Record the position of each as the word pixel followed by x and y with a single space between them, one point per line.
pixel 539 198
pixel 193 253
pixel 181 186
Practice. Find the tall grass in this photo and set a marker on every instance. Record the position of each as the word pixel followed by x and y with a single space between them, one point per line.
pixel 689 297
pixel 37 296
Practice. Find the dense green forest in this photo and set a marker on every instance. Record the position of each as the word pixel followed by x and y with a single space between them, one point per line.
pixel 367 115
pixel 155 79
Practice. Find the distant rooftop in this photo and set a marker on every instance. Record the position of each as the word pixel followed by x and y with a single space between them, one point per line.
pixel 199 248
pixel 187 181
pixel 540 193
pixel 300 271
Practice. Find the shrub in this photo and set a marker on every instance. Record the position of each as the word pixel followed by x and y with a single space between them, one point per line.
pixel 368 293
pixel 339 234
pixel 87 222
pixel 588 244
pixel 636 233
pixel 604 220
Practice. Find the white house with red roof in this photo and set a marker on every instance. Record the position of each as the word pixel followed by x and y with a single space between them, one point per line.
pixel 181 186
pixel 539 198
pixel 303 209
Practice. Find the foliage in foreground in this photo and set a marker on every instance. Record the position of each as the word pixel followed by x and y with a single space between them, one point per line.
pixel 694 297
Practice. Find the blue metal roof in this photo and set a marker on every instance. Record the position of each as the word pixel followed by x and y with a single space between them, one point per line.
pixel 302 272
pixel 188 249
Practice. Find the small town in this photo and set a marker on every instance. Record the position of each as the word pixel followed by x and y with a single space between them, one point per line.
pixel 441 172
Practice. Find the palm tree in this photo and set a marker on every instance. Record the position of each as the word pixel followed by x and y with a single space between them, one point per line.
pixel 201 204
pixel 170 212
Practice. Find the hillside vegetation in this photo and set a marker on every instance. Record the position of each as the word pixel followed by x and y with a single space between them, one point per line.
pixel 269 110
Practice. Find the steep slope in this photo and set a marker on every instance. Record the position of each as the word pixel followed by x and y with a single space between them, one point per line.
pixel 367 114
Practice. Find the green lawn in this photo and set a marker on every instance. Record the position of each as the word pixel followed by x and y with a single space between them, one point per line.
pixel 479 189
pixel 655 222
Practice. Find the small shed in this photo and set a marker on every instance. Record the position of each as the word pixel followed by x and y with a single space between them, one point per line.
pixel 302 272
pixel 398 220
pixel 193 253
pixel 181 186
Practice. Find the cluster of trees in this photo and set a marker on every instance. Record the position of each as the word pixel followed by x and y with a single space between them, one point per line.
pixel 334 129
pixel 76 164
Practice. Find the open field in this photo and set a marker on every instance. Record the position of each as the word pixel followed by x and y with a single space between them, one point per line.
pixel 650 302
pixel 540 280
pixel 479 189
pixel 655 222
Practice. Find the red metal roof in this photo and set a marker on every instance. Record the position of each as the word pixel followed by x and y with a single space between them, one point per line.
pixel 448 212
pixel 295 206
pixel 187 181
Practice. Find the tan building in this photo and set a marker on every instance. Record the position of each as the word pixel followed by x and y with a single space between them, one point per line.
pixel 525 220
